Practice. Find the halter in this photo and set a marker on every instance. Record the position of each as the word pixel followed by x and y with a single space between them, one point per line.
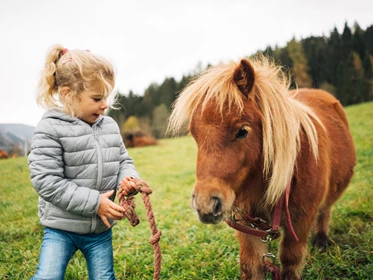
pixel 260 228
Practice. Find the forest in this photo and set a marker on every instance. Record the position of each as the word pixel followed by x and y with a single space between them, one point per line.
pixel 341 63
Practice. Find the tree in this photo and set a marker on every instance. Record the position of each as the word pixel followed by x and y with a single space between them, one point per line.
pixel 368 77
pixel 344 76
pixel 358 44
pixel 159 122
pixel 358 80
pixel 346 40
pixel 151 97
pixel 167 92
pixel 368 40
pixel 131 124
pixel 334 56
pixel 315 52
pixel 300 65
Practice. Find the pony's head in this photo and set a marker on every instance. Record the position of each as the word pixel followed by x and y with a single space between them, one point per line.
pixel 246 127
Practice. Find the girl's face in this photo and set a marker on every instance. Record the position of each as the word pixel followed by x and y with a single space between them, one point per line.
pixel 91 105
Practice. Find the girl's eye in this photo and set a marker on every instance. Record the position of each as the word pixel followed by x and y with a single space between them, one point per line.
pixel 242 133
pixel 97 99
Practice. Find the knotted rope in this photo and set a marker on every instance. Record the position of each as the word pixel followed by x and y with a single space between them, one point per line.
pixel 129 205
pixel 269 267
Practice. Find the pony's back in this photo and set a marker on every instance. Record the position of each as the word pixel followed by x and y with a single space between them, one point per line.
pixel 335 140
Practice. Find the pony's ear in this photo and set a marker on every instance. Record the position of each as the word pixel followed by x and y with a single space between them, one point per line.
pixel 244 77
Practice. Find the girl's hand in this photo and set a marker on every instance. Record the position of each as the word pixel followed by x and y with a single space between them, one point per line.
pixel 109 209
pixel 127 187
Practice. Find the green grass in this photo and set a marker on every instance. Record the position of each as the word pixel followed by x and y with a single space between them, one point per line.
pixel 191 250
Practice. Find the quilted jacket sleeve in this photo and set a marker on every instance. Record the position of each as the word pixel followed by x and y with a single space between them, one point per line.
pixel 127 167
pixel 47 175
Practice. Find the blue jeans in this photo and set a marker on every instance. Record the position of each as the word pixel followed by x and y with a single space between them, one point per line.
pixel 59 246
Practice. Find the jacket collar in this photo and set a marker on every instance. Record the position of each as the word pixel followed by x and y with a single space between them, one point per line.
pixel 60 115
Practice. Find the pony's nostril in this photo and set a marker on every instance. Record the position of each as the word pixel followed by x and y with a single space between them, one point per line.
pixel 194 202
pixel 216 207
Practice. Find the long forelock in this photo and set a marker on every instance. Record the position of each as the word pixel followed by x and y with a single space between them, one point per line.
pixel 215 85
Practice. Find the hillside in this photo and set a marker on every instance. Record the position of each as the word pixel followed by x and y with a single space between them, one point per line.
pixel 15 136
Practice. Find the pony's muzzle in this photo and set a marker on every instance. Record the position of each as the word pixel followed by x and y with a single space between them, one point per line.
pixel 209 208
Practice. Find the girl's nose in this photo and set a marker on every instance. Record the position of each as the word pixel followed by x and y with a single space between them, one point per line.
pixel 104 104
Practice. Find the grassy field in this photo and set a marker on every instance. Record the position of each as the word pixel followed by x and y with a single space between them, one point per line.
pixel 190 250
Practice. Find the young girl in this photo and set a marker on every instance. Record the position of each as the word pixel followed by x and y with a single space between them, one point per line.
pixel 77 161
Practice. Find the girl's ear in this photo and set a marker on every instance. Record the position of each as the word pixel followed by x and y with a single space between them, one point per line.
pixel 65 91
pixel 65 94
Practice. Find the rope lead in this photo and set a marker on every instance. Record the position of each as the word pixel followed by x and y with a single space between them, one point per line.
pixel 129 205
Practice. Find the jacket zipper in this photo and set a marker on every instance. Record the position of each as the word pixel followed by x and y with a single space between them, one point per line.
pixel 99 173
pixel 99 160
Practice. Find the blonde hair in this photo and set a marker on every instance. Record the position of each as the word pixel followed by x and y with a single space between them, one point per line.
pixel 283 117
pixel 77 70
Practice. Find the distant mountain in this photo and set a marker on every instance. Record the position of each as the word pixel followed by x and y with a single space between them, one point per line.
pixel 19 134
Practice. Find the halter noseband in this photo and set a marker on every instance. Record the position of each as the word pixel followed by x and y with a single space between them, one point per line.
pixel 260 228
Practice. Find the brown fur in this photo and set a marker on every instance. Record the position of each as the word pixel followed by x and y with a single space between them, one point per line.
pixel 138 139
pixel 3 154
pixel 143 141
pixel 236 169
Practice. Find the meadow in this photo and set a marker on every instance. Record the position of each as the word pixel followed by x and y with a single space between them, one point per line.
pixel 191 250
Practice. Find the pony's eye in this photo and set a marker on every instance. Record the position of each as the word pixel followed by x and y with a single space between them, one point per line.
pixel 242 133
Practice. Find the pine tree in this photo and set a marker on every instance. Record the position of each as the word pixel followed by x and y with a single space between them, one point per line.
pixel 368 40
pixel 334 56
pixel 346 40
pixel 358 44
pixel 168 92
pixel 344 77
pixel 315 52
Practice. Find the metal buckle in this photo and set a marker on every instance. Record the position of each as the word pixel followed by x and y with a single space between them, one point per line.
pixel 267 238
pixel 269 256
pixel 260 220
pixel 272 235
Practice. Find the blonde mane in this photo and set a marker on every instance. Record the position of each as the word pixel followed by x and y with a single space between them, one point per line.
pixel 283 116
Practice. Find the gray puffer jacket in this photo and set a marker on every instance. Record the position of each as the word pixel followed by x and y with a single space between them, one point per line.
pixel 70 164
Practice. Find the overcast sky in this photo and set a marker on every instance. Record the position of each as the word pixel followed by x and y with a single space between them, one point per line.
pixel 149 40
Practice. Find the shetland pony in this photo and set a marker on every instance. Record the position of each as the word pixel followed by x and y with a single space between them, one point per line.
pixel 255 138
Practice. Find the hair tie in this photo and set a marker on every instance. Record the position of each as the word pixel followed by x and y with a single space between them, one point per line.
pixel 68 59
pixel 64 51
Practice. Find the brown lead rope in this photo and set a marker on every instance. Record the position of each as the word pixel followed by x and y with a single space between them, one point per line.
pixel 128 204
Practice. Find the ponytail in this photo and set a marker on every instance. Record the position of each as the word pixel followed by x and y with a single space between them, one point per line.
pixel 47 88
